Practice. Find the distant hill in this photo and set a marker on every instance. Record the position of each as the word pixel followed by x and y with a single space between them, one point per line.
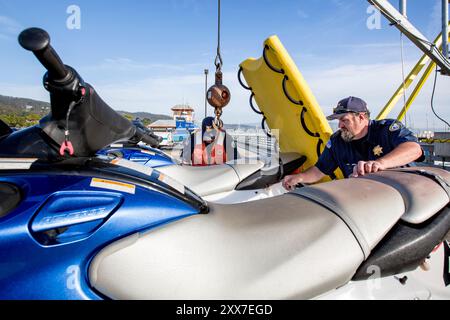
pixel 20 112
pixel 12 105
pixel 230 126
pixel 146 117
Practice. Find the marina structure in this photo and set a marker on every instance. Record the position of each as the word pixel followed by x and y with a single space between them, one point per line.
pixel 175 130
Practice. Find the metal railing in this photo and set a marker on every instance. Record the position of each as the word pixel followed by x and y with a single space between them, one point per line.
pixel 257 142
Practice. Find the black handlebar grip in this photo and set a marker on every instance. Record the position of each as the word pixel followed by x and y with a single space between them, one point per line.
pixel 38 41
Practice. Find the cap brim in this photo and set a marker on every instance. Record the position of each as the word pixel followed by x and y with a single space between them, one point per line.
pixel 335 116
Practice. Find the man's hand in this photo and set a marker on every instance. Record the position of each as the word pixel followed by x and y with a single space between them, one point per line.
pixel 365 167
pixel 289 182
pixel 311 175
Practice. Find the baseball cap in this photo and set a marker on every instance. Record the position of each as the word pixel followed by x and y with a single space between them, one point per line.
pixel 350 104
pixel 207 122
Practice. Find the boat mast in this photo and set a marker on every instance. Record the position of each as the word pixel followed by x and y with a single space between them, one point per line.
pixel 403 8
pixel 445 28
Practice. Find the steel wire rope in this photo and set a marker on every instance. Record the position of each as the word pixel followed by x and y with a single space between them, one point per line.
pixel 218 61
pixel 432 99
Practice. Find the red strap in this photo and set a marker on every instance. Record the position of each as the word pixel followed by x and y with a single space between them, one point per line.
pixel 66 146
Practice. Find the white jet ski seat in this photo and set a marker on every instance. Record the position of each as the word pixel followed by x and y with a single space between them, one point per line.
pixel 424 225
pixel 369 208
pixel 421 196
pixel 298 245
pixel 211 179
pixel 279 248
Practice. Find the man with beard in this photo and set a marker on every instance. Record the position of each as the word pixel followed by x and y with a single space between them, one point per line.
pixel 361 146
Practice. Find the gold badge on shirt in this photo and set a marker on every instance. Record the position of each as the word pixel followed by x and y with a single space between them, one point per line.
pixel 378 150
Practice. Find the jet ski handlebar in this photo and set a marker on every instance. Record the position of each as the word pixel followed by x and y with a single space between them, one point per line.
pixel 38 41
pixel 78 116
pixel 148 137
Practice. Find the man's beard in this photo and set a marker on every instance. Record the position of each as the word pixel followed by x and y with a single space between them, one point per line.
pixel 346 135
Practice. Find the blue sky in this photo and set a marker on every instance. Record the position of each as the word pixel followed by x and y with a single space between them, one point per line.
pixel 150 55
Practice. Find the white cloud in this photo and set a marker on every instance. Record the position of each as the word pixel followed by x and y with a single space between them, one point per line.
pixel 435 20
pixel 159 94
pixel 338 3
pixel 183 5
pixel 9 25
pixel 380 45
pixel 152 94
pixel 129 65
pixel 35 92
pixel 375 83
pixel 302 14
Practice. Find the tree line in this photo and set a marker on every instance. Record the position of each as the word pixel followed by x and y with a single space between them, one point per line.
pixel 20 120
pixel 23 120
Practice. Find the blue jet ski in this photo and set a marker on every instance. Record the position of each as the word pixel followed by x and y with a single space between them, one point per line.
pixel 143 150
pixel 139 153
pixel 74 225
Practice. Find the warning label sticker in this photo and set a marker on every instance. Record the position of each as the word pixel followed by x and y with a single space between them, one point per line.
pixel 113 185
pixel 133 166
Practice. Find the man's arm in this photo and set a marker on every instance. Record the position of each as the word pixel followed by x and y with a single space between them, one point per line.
pixel 403 154
pixel 311 175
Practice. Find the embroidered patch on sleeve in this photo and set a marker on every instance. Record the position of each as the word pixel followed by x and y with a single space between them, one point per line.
pixel 395 126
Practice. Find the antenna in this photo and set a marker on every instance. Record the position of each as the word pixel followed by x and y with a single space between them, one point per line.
pixel 403 8
pixel 206 91
pixel 445 29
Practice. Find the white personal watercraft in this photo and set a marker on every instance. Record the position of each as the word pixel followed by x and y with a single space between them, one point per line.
pixel 365 238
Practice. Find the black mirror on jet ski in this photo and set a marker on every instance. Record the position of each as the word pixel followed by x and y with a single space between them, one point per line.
pixel 145 135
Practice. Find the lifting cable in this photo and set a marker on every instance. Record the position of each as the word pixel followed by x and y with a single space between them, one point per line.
pixel 218 95
pixel 218 62
pixel 432 99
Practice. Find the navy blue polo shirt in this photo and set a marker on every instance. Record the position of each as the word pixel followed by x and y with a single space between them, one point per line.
pixel 383 137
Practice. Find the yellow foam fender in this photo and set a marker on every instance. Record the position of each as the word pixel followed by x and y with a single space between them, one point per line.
pixel 286 103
